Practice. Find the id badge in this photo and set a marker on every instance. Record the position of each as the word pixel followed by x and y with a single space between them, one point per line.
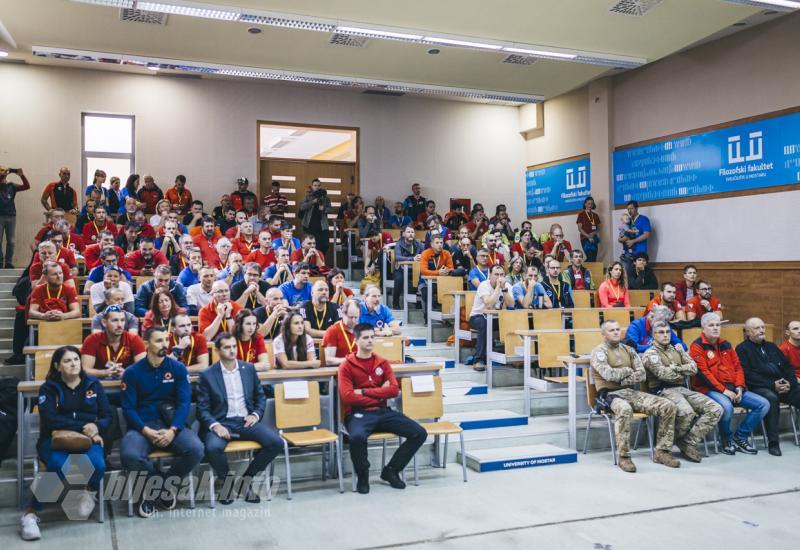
pixel 594 228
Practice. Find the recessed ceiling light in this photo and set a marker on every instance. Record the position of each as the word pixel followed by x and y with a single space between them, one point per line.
pixel 740 24
pixel 465 43
pixel 434 51
pixel 153 68
pixel 3 53
pixel 254 30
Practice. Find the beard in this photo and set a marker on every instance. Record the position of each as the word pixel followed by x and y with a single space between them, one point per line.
pixel 162 352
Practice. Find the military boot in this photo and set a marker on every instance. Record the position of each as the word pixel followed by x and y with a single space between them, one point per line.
pixel 666 458
pixel 626 464
pixel 689 452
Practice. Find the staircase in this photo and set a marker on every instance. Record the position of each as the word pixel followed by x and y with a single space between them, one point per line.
pixel 8 278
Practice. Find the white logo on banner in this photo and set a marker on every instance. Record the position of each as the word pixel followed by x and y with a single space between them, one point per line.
pixel 581 178
pixel 755 146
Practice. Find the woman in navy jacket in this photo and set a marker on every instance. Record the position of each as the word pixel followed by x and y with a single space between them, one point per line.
pixel 69 399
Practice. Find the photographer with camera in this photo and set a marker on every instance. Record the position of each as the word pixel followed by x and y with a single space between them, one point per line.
pixel 8 211
pixel 314 212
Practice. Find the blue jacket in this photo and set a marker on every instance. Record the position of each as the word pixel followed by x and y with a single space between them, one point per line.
pixel 637 336
pixel 212 399
pixel 145 389
pixel 61 408
pixel 144 295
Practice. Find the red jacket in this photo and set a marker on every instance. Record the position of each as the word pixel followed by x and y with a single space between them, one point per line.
pixel 92 256
pixel 368 375
pixel 718 366
pixel 134 262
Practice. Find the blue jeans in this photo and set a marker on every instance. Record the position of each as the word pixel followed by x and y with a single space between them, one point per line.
pixel 757 406
pixel 56 460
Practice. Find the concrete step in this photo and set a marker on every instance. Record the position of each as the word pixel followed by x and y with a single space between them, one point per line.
pixel 527 456
pixel 487 418
pixel 7 286
pixel 509 399
pixel 440 350
pixel 457 387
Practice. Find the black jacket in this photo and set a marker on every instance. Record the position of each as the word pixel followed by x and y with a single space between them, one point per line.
pixel 646 280
pixel 764 364
pixel 64 409
pixel 212 400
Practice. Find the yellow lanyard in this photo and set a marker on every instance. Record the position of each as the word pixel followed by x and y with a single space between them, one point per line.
pixel 188 360
pixel 167 325
pixel 274 325
pixel 493 258
pixel 242 355
pixel 350 344
pixel 616 288
pixel 590 217
pixel 58 296
pixel 120 353
pixel 557 292
pixel 324 314
pixel 253 302
pixel 435 263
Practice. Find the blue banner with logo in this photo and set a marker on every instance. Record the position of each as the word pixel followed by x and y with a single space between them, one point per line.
pixel 754 155
pixel 559 187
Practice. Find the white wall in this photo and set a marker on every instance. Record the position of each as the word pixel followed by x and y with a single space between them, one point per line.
pixel 206 129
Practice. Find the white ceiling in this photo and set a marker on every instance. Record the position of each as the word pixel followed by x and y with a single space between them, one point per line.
pixel 571 24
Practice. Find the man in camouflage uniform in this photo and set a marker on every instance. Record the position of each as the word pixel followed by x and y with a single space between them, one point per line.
pixel 667 366
pixel 617 369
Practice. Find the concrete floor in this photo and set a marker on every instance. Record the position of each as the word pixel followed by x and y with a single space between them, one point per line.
pixel 725 502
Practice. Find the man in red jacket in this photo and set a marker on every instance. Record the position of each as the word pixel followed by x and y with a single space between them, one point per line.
pixel 720 376
pixel 366 381
pixel 145 260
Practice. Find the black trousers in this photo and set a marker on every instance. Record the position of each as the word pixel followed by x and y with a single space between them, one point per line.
pixel 20 333
pixel 361 423
pixel 772 420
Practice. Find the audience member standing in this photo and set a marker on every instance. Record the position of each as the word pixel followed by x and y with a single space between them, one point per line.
pixel 8 212
pixel 59 194
pixel 314 212
pixel 588 227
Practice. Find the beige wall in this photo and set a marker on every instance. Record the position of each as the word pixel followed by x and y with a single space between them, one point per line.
pixel 206 129
pixel 739 76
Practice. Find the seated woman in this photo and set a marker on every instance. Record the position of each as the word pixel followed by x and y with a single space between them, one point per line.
pixel 163 308
pixel 293 348
pixel 525 240
pixel 338 292
pixel 613 292
pixel 250 345
pixel 516 270
pixel 70 401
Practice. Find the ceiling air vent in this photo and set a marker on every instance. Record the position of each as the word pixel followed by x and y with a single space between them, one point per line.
pixel 341 39
pixel 633 7
pixel 131 15
pixel 383 92
pixel 515 59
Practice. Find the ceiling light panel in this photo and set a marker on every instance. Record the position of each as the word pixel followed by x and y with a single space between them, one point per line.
pixel 192 10
pixel 287 76
pixel 782 5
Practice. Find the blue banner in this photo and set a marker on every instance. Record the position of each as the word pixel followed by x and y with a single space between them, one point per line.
pixel 754 155
pixel 560 187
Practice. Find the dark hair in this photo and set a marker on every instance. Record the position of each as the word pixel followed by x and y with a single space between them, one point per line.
pixel 309 236
pixel 296 351
pixel 238 322
pixel 174 309
pixel 702 282
pixel 145 239
pixel 197 202
pixel 149 332
pixel 181 178
pixel 224 335
pixel 623 279
pixel 208 219
pixel 329 278
pixel 665 285
pixel 106 252
pixel 641 255
pixel 58 355
pixel 360 328
pixel 498 208
pixel 429 202
pixel 286 225
pixel 276 183
pixel 273 218
pixel 687 267
pixel 130 184
pixel 635 204
pixel 133 225
pixel 302 266
pixel 587 199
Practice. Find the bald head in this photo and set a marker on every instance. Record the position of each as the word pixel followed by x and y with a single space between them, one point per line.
pixel 319 292
pixel 755 330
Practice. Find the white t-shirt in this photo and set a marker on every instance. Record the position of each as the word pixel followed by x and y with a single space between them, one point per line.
pixel 196 296
pixel 278 346
pixel 96 293
pixel 485 289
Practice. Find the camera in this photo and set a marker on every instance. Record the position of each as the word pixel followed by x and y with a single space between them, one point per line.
pixel 319 193
pixel 13 170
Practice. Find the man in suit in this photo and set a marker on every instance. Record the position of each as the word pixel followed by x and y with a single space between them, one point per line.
pixel 230 405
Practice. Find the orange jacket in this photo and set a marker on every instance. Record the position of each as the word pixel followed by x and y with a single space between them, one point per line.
pixel 430 262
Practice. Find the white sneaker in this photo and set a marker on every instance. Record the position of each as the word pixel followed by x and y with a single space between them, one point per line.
pixel 29 527
pixel 86 504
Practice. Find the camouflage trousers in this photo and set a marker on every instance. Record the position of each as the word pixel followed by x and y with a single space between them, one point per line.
pixel 696 414
pixel 630 401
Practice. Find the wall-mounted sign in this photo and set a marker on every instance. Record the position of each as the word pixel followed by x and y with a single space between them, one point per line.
pixel 557 187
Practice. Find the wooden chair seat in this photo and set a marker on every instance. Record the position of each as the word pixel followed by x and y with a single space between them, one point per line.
pixel 441 428
pixel 310 437
pixel 242 446
pixel 379 436
pixel 562 379
pixel 160 454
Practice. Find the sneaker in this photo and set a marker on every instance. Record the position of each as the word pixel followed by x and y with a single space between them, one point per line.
pixel 29 527
pixel 168 500
pixel 743 446
pixel 626 464
pixel 728 448
pixel 390 476
pixel 666 458
pixel 480 367
pixel 146 508
pixel 7 265
pixel 86 503
pixel 252 497
pixel 15 360
pixel 775 449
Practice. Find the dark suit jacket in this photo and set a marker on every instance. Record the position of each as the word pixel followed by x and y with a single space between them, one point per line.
pixel 761 370
pixel 212 400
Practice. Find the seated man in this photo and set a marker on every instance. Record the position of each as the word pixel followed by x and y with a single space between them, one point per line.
pixel 207 239
pixel 263 254
pixel 339 341
pixel 109 259
pixel 145 260
pixel 111 279
pixel 53 300
pixel 309 254
pixel 108 353
pixel 319 314
pixel 480 272
pixel 791 346
pixel 559 291
pixel 366 382
pixel 187 346
pixel 641 277
pixel 245 242
pixel 667 367
pixel 686 287
pixel 433 262
pixel 271 314
pixel 639 334
pixel 464 254
pixel 128 239
pixel 406 249
pixel 287 239
pixel 190 275
pixel 557 246
pixel 702 302
pixel 281 271
pixel 93 253
pixel 168 239
pixel 180 260
pixel 161 279
pixel 578 277
pixel 218 315
pixel 150 387
pixel 115 297
pixel 618 373
pixel 299 289
pixel 768 373
pixel 92 229
pixel 250 292
pixel 530 294
pixel 377 315
pixel 720 376
pixel 493 293
pixel 48 253
pixel 231 402
pixel 200 294
pixel 667 298
pixel 494 244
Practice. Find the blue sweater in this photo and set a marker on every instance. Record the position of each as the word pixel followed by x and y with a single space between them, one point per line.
pixel 144 388
pixel 641 338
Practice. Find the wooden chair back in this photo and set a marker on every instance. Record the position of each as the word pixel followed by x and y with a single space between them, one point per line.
pixel 544 319
pixel 415 274
pixel 550 346
pixel 591 389
pixel 583 298
pixel 508 322
pixel 619 314
pixel 391 348
pixel 469 301
pixel 733 334
pixel 141 279
pixel 638 313
pixel 395 233
pixel 445 285
pixel 41 363
pixel 640 297
pixel 585 342
pixel 585 318
pixel 422 405
pixel 597 270
pixel 271 354
pixel 689 335
pixel 61 333
pixel 313 280
pixel 297 413
pixel 420 234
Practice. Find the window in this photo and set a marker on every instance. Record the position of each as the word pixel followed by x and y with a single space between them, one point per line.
pixel 108 145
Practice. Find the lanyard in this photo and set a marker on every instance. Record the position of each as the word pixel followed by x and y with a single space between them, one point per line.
pixel 274 325
pixel 591 218
pixel 58 296
pixel 556 292
pixel 318 319
pixel 616 288
pixel 493 258
pixel 120 353
pixel 167 325
pixel 253 302
pixel 482 275
pixel 250 350
pixel 435 263
pixel 350 344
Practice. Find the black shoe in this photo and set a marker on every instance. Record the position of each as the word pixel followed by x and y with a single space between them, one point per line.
pixel 15 360
pixel 8 266
pixel 146 508
pixel 775 449
pixel 251 497
pixel 168 500
pixel 390 476
pixel 743 446
pixel 728 448
pixel 362 484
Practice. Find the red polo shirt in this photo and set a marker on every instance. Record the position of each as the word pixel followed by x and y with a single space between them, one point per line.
pixel 792 353
pixel 60 300
pixel 92 229
pixel 337 335
pixel 694 305
pixel 96 345
pixel 198 346
pixel 264 260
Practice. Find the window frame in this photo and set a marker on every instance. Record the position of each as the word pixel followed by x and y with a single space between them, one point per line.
pixel 97 154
